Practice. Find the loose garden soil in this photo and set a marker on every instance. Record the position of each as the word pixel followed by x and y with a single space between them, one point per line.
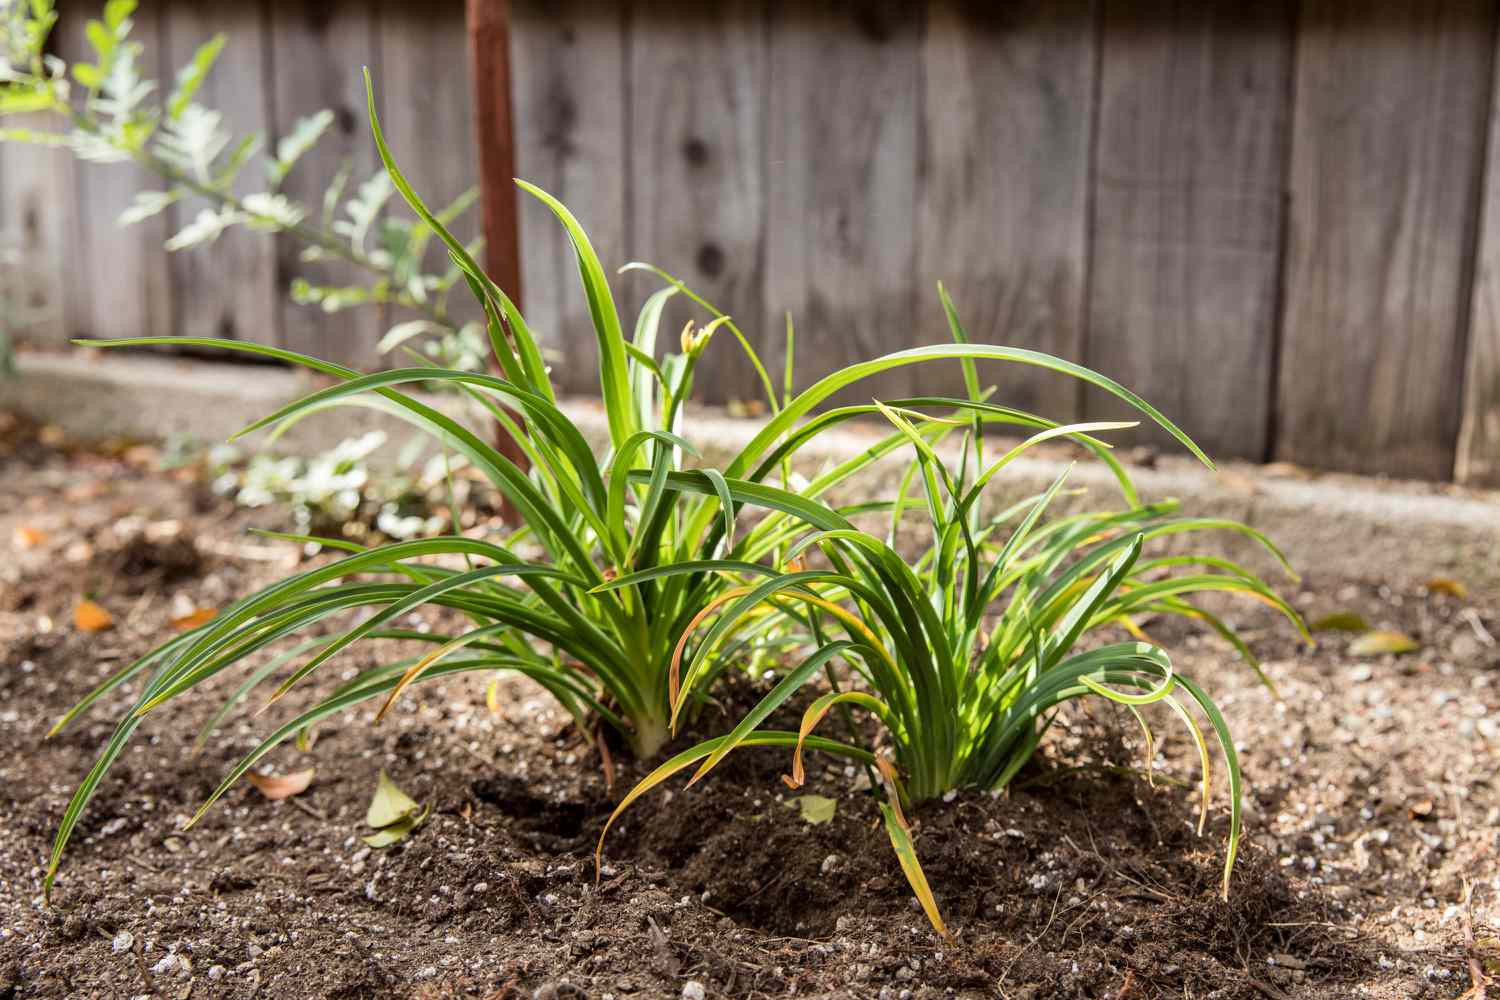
pixel 1373 814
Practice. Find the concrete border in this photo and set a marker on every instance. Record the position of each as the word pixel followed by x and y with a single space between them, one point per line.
pixel 1355 525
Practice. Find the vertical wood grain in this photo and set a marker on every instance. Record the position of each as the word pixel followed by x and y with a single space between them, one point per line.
pixel 226 288
pixel 1189 169
pixel 1003 193
pixel 1477 461
pixel 428 116
pixel 36 225
pixel 698 79
pixel 318 48
pixel 1388 142
pixel 841 178
pixel 569 98
pixel 121 284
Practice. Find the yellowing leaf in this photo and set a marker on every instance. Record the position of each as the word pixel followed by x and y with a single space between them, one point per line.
pixel 1447 585
pixel 281 786
pixel 1377 643
pixel 906 854
pixel 396 832
pixel 390 804
pixel 194 618
pixel 1341 621
pixel 90 617
pixel 816 809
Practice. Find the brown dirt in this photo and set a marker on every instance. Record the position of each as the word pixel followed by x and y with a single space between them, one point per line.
pixel 1372 807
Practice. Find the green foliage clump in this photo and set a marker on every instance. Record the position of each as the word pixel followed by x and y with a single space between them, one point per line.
pixel 962 652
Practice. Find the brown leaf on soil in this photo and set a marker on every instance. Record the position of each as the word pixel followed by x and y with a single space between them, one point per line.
pixel 142 456
pixel 1447 585
pixel 28 537
pixel 90 617
pixel 281 786
pixel 194 618
pixel 91 490
pixel 1287 470
pixel 1238 482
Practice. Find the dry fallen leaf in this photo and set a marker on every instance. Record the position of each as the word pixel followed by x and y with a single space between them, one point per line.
pixel 1377 643
pixel 91 490
pixel 816 809
pixel 395 833
pixel 194 618
pixel 389 804
pixel 1238 482
pixel 28 537
pixel 142 456
pixel 1447 585
pixel 392 813
pixel 1287 470
pixel 281 786
pixel 90 617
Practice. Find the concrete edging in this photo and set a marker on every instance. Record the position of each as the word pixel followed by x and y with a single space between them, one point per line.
pixel 1349 524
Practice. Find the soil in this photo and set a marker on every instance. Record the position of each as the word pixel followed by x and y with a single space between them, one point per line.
pixel 1372 815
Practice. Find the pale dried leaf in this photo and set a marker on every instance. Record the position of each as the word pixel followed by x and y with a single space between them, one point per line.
pixel 1378 643
pixel 281 786
pixel 816 809
pixel 395 832
pixel 390 804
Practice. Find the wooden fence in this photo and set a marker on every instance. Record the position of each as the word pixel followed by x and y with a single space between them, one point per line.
pixel 1278 221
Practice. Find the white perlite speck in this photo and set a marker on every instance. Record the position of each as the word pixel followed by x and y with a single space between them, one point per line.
pixel 693 990
pixel 122 942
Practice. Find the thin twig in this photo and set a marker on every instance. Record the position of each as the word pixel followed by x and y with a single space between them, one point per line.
pixel 1476 968
pixel 303 806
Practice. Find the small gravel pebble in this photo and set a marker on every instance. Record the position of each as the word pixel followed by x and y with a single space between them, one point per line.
pixel 693 990
pixel 122 942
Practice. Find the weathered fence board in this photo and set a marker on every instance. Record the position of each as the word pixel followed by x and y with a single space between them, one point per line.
pixel 1478 460
pixel 841 173
pixel 697 194
pixel 1265 218
pixel 226 288
pixel 34 183
pixel 568 85
pixel 318 51
pixel 122 283
pixel 428 115
pixel 1003 197
pixel 1387 154
pixel 1189 166
pixel 1478 453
